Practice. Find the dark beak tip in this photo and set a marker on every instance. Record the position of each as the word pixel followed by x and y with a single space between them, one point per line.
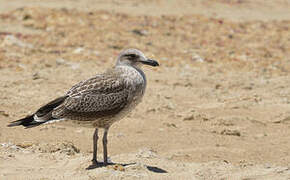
pixel 151 62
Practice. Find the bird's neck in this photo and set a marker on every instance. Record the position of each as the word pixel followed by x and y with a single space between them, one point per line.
pixel 132 72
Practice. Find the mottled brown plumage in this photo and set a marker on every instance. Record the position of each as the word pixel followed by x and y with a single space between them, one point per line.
pixel 100 100
pixel 96 100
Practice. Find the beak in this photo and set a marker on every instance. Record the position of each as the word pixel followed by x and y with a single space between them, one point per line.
pixel 150 62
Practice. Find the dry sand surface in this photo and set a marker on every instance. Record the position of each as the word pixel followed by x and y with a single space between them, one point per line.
pixel 218 107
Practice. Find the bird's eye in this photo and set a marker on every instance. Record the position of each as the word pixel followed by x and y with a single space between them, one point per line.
pixel 132 56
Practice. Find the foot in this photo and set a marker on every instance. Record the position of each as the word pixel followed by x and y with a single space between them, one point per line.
pixel 95 164
pixel 105 163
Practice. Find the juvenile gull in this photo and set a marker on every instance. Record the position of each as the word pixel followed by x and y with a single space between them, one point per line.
pixel 99 101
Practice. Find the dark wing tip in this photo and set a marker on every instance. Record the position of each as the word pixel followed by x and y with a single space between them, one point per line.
pixel 27 121
pixel 14 123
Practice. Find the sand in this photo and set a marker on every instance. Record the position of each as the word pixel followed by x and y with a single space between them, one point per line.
pixel 216 108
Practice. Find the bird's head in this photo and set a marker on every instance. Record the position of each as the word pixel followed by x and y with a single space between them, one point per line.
pixel 134 57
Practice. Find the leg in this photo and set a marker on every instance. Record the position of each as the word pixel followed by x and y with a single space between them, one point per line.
pixel 94 160
pixel 95 139
pixel 105 146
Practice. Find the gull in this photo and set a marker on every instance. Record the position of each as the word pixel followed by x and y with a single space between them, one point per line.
pixel 99 101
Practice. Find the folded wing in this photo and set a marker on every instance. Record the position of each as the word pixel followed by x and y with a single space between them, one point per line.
pixel 96 97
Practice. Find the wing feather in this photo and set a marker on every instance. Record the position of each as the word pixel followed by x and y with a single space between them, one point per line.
pixel 102 93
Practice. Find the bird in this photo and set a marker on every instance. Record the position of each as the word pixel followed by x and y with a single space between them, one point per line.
pixel 98 101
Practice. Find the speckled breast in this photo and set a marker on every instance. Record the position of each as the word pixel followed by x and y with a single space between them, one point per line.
pixel 136 82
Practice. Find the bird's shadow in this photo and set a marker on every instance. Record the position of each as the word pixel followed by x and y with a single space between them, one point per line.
pixel 150 168
pixel 156 169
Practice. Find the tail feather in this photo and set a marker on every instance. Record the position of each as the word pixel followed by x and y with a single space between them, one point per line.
pixel 26 122
pixel 42 115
